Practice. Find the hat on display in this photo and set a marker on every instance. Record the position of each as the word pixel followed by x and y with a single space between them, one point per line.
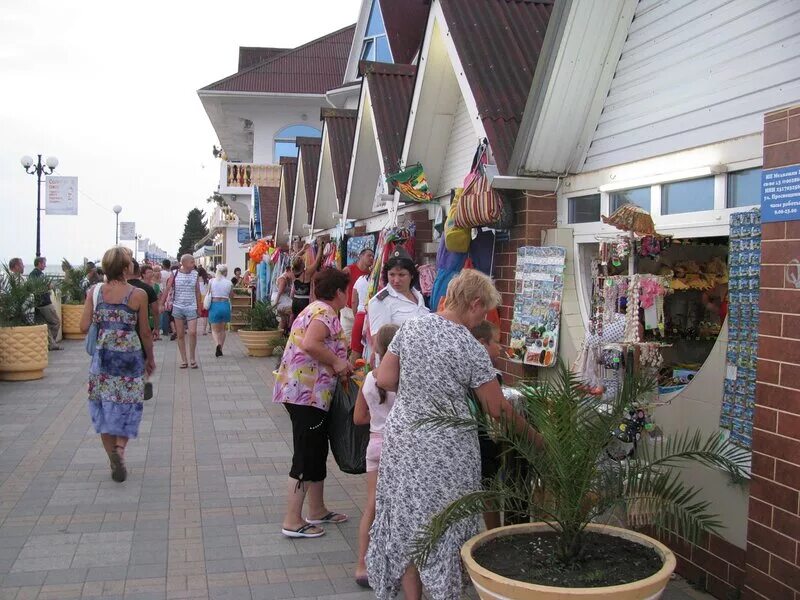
pixel 400 253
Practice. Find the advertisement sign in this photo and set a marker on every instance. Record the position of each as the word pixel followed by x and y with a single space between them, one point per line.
pixel 61 195
pixel 243 235
pixel 780 194
pixel 143 245
pixel 127 230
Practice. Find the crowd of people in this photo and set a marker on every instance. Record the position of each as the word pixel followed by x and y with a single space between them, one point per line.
pixel 419 361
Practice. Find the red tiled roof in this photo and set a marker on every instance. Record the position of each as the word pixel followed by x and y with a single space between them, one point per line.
pixel 268 208
pixel 249 55
pixel 498 42
pixel 405 22
pixel 288 179
pixel 391 88
pixel 341 126
pixel 310 149
pixel 313 68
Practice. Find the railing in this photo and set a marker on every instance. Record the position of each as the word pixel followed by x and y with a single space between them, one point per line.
pixel 249 174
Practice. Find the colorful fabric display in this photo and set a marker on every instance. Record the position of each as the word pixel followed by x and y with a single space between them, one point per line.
pixel 456 239
pixel 448 265
pixel 412 183
pixel 427 277
pixel 479 204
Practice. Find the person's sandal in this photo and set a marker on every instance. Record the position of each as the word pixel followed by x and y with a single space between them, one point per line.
pixel 193 365
pixel 118 471
pixel 303 532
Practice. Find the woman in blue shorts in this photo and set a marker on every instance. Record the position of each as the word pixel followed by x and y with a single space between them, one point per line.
pixel 219 315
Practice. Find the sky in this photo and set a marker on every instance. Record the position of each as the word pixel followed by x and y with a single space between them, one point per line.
pixel 110 89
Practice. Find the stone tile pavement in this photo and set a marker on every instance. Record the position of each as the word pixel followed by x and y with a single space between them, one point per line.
pixel 198 517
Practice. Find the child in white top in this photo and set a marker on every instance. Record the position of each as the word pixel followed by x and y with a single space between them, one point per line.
pixel 372 407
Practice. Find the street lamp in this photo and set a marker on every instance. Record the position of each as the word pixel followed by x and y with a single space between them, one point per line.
pixel 117 209
pixel 30 168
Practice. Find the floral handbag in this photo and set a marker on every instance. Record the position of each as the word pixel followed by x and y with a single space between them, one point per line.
pixel 480 205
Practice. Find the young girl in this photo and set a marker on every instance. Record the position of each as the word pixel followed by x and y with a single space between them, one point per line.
pixel 372 407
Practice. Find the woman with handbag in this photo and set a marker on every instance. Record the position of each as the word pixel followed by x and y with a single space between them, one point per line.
pixel 218 304
pixel 282 298
pixel 116 312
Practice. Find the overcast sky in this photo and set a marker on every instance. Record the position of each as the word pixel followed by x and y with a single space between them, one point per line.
pixel 110 89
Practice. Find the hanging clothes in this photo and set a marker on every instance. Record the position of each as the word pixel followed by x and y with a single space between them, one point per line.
pixel 448 265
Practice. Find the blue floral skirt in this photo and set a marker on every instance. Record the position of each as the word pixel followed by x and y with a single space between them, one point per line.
pixel 116 418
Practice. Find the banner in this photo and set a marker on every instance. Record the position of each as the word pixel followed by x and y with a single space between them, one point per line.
pixel 127 230
pixel 61 197
pixel 143 243
pixel 243 235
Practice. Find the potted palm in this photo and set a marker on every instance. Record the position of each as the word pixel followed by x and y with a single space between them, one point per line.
pixel 23 344
pixel 72 298
pixel 573 491
pixel 260 335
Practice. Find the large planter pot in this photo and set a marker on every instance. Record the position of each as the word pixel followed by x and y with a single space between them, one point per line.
pixel 71 321
pixel 260 343
pixel 491 586
pixel 23 352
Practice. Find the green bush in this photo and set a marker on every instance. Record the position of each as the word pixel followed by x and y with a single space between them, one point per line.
pixel 70 286
pixel 261 317
pixel 18 297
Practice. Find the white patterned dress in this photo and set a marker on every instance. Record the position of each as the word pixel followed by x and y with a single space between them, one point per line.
pixel 424 470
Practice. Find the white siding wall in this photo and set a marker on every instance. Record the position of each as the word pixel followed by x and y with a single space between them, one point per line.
pixel 460 149
pixel 694 72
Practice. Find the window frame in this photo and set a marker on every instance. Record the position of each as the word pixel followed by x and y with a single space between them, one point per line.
pixel 284 139
pixel 570 200
pixel 662 206
pixel 729 187
pixel 373 39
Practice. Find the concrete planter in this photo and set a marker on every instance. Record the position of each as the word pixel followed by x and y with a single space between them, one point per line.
pixel 23 352
pixel 260 343
pixel 491 586
pixel 71 321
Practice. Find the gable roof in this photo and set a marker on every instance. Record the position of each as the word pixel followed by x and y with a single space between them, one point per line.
pixel 312 68
pixel 341 126
pixel 405 26
pixel 391 89
pixel 498 43
pixel 288 180
pixel 268 208
pixel 310 149
pixel 250 55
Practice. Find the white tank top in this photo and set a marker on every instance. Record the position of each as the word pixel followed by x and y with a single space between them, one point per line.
pixel 185 296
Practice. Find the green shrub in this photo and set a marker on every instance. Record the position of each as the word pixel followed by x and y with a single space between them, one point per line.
pixel 18 297
pixel 261 317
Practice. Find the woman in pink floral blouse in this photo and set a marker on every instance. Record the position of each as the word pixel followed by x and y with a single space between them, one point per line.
pixel 314 358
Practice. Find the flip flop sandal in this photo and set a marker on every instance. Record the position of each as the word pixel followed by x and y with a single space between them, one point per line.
pixel 184 365
pixel 302 532
pixel 193 365
pixel 331 517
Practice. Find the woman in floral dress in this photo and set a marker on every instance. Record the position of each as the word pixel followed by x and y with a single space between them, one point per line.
pixel 315 356
pixel 121 358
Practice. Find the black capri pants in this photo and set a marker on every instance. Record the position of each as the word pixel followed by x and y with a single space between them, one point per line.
pixel 310 437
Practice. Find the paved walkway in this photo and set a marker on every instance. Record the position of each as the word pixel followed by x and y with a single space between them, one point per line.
pixel 199 515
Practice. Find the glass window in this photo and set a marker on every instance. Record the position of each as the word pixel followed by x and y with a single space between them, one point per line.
pixel 382 52
pixel 687 196
pixel 285 140
pixel 375 23
pixel 376 44
pixel 638 196
pixel 744 188
pixel 368 51
pixel 584 209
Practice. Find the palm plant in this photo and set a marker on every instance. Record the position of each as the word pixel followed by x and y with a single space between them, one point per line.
pixel 72 291
pixel 261 317
pixel 18 297
pixel 572 481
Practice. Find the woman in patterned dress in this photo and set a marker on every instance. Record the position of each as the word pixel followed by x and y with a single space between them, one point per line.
pixel 314 357
pixel 432 361
pixel 121 358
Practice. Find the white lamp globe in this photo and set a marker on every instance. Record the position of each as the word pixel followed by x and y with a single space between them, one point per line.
pixel 117 209
pixel 26 161
pixel 52 162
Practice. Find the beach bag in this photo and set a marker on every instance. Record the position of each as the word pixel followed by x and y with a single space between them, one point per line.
pixel 170 299
pixel 91 335
pixel 207 299
pixel 348 441
pixel 456 239
pixel 480 204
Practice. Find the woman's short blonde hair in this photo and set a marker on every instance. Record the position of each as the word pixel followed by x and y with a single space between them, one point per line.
pixel 221 271
pixel 115 261
pixel 470 285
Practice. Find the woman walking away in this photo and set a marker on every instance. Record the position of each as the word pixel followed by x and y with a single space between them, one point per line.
pixel 314 358
pixel 202 313
pixel 119 367
pixel 372 407
pixel 434 359
pixel 219 315
pixel 185 302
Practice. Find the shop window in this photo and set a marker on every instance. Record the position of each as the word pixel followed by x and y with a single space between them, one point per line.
pixel 687 196
pixel 744 188
pixel 285 140
pixel 376 44
pixel 638 196
pixel 584 209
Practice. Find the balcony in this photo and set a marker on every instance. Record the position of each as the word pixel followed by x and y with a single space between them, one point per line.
pixel 247 175
pixel 223 216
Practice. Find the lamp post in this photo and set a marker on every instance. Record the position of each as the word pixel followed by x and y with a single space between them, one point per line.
pixel 117 209
pixel 30 168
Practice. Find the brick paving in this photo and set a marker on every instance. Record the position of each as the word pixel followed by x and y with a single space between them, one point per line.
pixel 198 517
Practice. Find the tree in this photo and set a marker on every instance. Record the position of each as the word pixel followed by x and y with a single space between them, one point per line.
pixel 194 230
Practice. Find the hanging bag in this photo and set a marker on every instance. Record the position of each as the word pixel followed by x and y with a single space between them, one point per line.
pixel 480 204
pixel 91 335
pixel 456 239
pixel 170 299
pixel 348 441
